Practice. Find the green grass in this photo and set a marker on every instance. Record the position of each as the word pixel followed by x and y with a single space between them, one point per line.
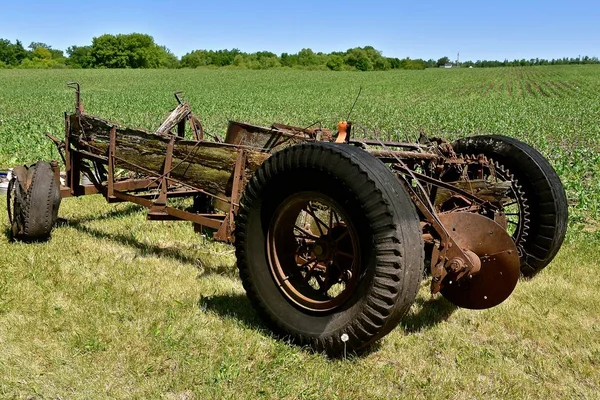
pixel 114 306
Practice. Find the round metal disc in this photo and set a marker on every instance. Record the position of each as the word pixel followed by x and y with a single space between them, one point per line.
pixel 500 262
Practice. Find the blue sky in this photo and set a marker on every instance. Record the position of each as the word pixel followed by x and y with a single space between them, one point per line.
pixel 417 29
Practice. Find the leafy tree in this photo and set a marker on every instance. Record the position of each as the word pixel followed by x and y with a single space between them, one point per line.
pixel 381 64
pixel 442 61
pixel 135 50
pixel 195 59
pixel 54 54
pixel 12 54
pixel 289 60
pixel 238 61
pixel 335 62
pixel 359 59
pixel 307 58
pixel 41 53
pixel 81 57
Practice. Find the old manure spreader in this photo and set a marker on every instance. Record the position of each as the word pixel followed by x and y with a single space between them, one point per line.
pixel 331 232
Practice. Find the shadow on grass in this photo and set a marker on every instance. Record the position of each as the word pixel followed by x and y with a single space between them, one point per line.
pixel 237 307
pixel 234 306
pixel 125 211
pixel 144 249
pixel 432 312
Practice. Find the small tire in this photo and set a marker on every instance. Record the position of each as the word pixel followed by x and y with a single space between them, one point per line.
pixel 378 213
pixel 33 202
pixel 548 209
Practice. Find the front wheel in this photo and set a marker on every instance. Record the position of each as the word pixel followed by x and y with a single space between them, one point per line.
pixel 329 246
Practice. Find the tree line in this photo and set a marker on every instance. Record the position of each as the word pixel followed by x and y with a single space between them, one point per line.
pixel 137 50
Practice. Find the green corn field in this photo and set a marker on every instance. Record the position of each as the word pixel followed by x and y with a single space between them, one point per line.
pixel 114 306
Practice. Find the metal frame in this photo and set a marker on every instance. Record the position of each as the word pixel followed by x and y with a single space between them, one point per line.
pixel 419 166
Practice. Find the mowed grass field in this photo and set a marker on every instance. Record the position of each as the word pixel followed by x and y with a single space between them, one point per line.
pixel 114 306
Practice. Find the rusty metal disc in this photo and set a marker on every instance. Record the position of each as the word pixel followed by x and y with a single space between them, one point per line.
pixel 499 261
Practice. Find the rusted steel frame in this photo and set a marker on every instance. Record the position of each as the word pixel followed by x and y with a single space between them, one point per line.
pixel 391 155
pixel 225 232
pixel 111 163
pixel 196 127
pixel 171 194
pixel 213 223
pixel 68 155
pixel 75 174
pixel 161 202
pixel 125 186
pixel 308 131
pixel 60 145
pixel 445 185
pixel 448 251
pixel 78 103
pixel 298 134
pixel 376 142
pixel 222 144
pixel 56 171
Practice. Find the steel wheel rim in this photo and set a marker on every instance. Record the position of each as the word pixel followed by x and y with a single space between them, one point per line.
pixel 313 252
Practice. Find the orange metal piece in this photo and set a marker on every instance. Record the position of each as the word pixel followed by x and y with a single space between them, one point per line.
pixel 342 132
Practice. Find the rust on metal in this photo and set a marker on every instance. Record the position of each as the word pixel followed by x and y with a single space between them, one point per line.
pixel 474 261
pixel 497 260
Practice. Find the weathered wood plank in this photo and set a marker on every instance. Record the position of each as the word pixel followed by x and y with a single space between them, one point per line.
pixel 207 167
pixel 179 113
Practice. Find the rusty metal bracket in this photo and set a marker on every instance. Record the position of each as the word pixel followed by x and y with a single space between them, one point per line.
pixel 111 162
pixel 159 205
pixel 225 232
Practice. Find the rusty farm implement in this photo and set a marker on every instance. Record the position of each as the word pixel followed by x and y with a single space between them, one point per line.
pixel 332 232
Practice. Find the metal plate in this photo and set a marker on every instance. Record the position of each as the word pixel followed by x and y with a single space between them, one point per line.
pixel 499 261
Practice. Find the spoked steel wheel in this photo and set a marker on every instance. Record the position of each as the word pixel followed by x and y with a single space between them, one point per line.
pixel 480 174
pixel 543 213
pixel 313 252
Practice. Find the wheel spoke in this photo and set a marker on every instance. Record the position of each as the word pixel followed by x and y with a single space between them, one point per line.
pixel 307 263
pixel 319 222
pixel 343 235
pixel 337 217
pixel 345 254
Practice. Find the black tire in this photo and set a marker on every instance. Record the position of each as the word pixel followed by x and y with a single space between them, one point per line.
pixel 33 202
pixel 389 241
pixel 541 186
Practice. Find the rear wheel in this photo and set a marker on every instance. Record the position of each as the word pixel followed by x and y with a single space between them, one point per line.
pixel 33 202
pixel 537 218
pixel 328 243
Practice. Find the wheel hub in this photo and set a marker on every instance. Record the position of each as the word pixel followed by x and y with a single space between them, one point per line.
pixel 322 271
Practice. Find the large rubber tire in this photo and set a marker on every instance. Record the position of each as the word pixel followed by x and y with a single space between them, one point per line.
pixel 390 242
pixel 547 202
pixel 34 199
